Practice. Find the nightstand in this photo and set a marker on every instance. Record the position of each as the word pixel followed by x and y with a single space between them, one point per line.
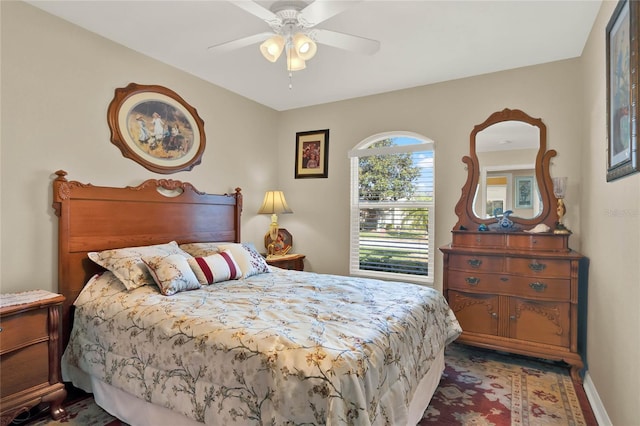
pixel 288 261
pixel 30 351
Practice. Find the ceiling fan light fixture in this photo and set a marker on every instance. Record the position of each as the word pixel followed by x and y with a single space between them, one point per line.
pixel 272 48
pixel 294 61
pixel 304 46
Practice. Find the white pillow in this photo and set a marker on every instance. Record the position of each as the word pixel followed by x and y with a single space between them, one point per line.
pixel 201 249
pixel 215 268
pixel 172 273
pixel 126 263
pixel 251 262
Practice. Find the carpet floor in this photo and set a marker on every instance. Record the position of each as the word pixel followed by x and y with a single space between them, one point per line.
pixel 478 387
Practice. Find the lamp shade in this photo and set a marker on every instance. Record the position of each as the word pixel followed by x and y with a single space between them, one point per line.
pixel 559 186
pixel 272 48
pixel 304 46
pixel 274 203
pixel 294 62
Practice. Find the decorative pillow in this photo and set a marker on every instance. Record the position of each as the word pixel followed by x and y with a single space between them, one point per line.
pixel 215 268
pixel 251 262
pixel 126 263
pixel 171 273
pixel 202 249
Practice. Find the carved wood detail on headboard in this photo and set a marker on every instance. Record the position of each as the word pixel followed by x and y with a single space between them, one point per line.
pixel 95 218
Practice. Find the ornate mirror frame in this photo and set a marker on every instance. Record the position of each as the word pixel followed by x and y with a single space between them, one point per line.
pixel 467 219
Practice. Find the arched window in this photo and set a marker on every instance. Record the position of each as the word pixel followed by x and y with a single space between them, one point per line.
pixel 392 206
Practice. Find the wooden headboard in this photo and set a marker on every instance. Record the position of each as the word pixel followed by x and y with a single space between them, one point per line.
pixel 95 218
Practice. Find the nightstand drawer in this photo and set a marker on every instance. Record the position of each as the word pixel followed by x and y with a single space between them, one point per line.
pixel 24 369
pixel 23 329
pixel 30 350
pixel 291 261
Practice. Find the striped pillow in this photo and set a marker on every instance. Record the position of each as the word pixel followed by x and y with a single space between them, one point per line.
pixel 215 268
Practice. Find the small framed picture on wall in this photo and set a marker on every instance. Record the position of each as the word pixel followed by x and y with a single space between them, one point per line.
pixel 312 154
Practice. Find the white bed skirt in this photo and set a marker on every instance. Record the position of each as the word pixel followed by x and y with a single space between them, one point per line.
pixel 137 412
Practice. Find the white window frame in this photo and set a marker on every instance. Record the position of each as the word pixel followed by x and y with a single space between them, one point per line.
pixel 356 205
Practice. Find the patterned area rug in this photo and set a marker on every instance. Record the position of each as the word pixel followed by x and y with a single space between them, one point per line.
pixel 481 387
pixel 478 388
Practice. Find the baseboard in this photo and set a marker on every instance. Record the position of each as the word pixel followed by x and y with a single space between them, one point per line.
pixel 596 403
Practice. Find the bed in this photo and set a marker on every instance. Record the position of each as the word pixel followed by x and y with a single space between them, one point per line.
pixel 258 345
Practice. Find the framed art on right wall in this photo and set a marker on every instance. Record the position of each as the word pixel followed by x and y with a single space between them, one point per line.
pixel 622 90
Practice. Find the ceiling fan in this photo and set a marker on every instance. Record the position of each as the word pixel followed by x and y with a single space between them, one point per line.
pixel 293 25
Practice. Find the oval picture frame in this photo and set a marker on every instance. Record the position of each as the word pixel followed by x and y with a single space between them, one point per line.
pixel 153 126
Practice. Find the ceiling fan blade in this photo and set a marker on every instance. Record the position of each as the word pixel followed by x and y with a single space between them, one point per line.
pixel 343 41
pixel 320 11
pixel 256 10
pixel 239 43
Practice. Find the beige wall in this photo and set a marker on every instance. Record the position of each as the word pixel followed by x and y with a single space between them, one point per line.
pixel 58 79
pixel 57 82
pixel 610 214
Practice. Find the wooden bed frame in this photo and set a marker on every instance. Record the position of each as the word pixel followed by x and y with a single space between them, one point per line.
pixel 95 218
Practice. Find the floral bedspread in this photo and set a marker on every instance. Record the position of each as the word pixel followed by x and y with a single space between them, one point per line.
pixel 284 347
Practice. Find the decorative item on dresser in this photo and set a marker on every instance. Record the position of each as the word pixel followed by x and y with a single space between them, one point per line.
pixel 30 350
pixel 520 288
pixel 289 261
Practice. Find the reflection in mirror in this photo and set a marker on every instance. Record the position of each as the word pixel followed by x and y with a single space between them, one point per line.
pixel 506 153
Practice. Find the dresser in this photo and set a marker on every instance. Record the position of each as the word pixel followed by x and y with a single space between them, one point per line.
pixel 30 350
pixel 518 292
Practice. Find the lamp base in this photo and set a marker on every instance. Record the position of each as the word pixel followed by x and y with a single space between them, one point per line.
pixel 561 229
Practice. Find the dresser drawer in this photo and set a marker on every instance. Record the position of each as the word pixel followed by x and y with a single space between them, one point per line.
pixel 541 242
pixel 20 330
pixel 511 285
pixel 480 282
pixel 476 263
pixel 538 267
pixel 478 239
pixel 535 288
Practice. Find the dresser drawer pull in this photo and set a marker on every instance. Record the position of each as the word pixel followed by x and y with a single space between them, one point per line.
pixel 494 315
pixel 538 286
pixel 474 263
pixel 504 279
pixel 472 280
pixel 537 267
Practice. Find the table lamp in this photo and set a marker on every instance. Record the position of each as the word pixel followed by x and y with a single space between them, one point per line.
pixel 274 203
pixel 559 190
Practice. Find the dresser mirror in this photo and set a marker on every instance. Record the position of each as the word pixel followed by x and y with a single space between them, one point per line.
pixel 508 171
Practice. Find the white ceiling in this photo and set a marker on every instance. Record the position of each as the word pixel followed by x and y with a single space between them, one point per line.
pixel 422 42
